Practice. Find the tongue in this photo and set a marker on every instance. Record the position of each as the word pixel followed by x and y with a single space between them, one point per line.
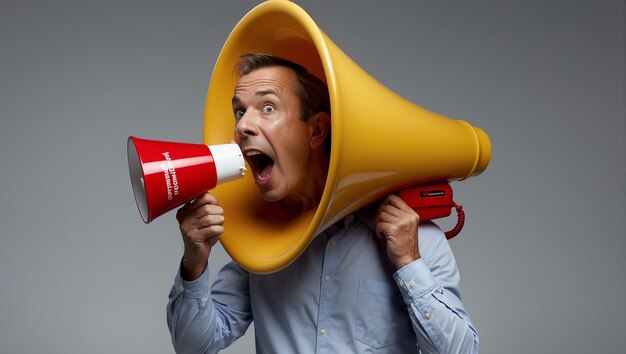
pixel 265 173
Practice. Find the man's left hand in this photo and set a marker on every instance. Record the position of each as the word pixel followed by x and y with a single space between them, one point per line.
pixel 396 222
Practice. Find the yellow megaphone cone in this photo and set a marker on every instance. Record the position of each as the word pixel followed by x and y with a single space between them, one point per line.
pixel 380 142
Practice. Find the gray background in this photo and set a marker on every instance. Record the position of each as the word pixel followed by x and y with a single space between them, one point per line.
pixel 542 253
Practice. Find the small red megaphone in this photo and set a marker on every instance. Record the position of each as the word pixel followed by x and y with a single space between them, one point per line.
pixel 165 175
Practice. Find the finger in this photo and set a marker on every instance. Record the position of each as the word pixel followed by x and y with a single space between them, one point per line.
pixel 380 231
pixel 203 217
pixel 197 236
pixel 210 232
pixel 384 229
pixel 392 211
pixel 387 216
pixel 210 220
pixel 403 209
pixel 392 203
pixel 385 207
pixel 192 206
pixel 203 199
pixel 398 203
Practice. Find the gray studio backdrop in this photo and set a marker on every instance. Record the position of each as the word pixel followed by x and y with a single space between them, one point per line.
pixel 541 255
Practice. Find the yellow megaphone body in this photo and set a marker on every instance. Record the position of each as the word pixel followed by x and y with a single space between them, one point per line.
pixel 380 142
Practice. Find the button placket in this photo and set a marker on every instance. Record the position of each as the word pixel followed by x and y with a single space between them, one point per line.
pixel 327 289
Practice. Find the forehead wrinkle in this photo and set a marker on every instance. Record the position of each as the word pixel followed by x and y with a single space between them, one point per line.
pixel 276 80
pixel 252 80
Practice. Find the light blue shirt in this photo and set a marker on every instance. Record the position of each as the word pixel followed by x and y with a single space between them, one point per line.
pixel 342 295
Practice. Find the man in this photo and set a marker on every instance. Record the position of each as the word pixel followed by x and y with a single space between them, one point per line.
pixel 373 282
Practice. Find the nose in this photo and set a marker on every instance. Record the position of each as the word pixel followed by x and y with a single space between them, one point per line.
pixel 247 126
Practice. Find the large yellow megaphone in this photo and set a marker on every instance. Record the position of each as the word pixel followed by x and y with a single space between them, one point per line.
pixel 380 142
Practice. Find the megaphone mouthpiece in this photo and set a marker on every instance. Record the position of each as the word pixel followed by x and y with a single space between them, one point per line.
pixel 229 162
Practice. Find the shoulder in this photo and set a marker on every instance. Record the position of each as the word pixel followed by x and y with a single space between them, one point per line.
pixel 428 232
pixel 431 239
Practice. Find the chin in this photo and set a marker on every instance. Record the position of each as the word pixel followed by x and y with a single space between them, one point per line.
pixel 270 199
pixel 272 192
pixel 271 196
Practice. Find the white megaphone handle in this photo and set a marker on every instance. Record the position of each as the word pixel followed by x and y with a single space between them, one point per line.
pixel 229 162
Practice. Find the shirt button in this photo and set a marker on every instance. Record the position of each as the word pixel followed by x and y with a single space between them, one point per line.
pixel 323 331
pixel 327 277
pixel 411 284
pixel 400 282
pixel 427 315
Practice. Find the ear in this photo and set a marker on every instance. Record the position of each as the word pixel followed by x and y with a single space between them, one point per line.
pixel 319 128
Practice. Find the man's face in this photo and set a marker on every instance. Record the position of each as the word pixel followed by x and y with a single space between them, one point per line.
pixel 270 132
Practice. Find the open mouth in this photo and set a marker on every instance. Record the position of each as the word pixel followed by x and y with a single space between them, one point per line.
pixel 261 165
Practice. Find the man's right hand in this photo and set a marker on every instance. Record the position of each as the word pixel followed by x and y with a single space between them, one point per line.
pixel 201 224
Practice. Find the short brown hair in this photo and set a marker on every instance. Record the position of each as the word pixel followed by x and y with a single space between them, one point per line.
pixel 313 92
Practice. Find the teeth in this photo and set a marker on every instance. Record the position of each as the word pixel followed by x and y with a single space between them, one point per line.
pixel 252 153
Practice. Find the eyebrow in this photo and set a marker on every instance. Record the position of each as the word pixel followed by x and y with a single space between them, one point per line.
pixel 266 92
pixel 237 101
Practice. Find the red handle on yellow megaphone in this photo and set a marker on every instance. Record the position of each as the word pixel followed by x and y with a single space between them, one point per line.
pixel 434 201
pixel 165 175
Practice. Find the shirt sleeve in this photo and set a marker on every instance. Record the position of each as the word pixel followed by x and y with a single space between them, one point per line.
pixel 429 287
pixel 203 319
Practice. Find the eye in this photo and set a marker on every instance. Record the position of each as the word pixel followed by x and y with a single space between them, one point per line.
pixel 239 114
pixel 268 108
